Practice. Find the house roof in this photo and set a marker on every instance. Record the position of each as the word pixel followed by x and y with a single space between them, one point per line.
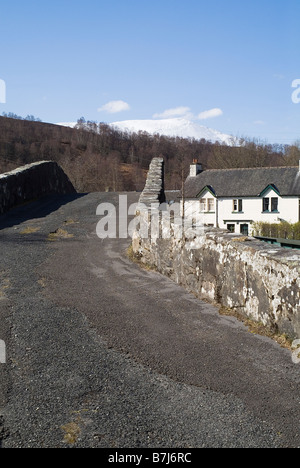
pixel 245 182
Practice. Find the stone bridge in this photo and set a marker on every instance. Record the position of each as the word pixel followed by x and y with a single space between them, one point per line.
pixel 101 353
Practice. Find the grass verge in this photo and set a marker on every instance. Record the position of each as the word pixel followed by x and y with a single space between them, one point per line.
pixel 258 328
pixel 136 258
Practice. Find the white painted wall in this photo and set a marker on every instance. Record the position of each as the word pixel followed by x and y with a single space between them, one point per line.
pixel 193 208
pixel 288 210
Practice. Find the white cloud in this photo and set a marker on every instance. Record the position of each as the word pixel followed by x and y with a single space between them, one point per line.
pixel 183 111
pixel 259 122
pixel 180 111
pixel 113 107
pixel 210 114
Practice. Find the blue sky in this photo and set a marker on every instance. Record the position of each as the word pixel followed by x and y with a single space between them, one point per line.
pixel 227 64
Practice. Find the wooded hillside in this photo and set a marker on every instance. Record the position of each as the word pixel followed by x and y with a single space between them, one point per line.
pixel 98 158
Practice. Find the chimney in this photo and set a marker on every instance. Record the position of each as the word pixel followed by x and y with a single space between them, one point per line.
pixel 195 168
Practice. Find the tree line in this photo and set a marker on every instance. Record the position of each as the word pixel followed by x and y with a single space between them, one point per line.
pixel 98 157
pixel 12 115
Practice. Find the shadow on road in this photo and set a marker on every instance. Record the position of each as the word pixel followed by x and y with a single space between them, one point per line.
pixel 36 209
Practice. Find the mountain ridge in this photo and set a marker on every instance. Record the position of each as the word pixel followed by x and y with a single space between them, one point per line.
pixel 175 127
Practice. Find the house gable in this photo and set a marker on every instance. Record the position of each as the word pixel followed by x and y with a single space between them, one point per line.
pixel 207 190
pixel 269 191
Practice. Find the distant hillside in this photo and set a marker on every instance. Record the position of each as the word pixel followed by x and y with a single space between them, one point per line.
pixel 97 157
pixel 90 161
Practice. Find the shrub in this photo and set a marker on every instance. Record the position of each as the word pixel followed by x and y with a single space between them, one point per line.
pixel 281 230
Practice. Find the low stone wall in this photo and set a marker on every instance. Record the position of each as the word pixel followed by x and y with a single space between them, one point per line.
pixel 31 182
pixel 261 281
pixel 258 280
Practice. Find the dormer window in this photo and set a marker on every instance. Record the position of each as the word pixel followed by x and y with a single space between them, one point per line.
pixel 266 205
pixel 207 205
pixel 270 203
pixel 274 205
pixel 211 204
pixel 203 205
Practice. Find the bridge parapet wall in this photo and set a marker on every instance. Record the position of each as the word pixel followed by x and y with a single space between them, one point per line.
pixel 260 281
pixel 31 182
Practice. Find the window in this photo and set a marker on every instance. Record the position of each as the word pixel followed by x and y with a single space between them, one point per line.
pixel 274 205
pixel 231 227
pixel 270 203
pixel 266 205
pixel 207 204
pixel 202 205
pixel 211 204
pixel 238 205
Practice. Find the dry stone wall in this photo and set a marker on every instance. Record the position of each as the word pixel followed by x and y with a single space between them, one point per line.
pixel 31 182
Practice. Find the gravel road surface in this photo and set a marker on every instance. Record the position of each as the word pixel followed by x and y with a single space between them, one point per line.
pixel 101 353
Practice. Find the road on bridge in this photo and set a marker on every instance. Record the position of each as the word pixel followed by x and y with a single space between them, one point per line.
pixel 102 353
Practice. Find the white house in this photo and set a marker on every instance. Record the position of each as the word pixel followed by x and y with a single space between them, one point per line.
pixel 234 199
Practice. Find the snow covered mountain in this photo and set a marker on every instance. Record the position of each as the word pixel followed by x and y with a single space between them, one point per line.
pixel 176 127
pixel 179 127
